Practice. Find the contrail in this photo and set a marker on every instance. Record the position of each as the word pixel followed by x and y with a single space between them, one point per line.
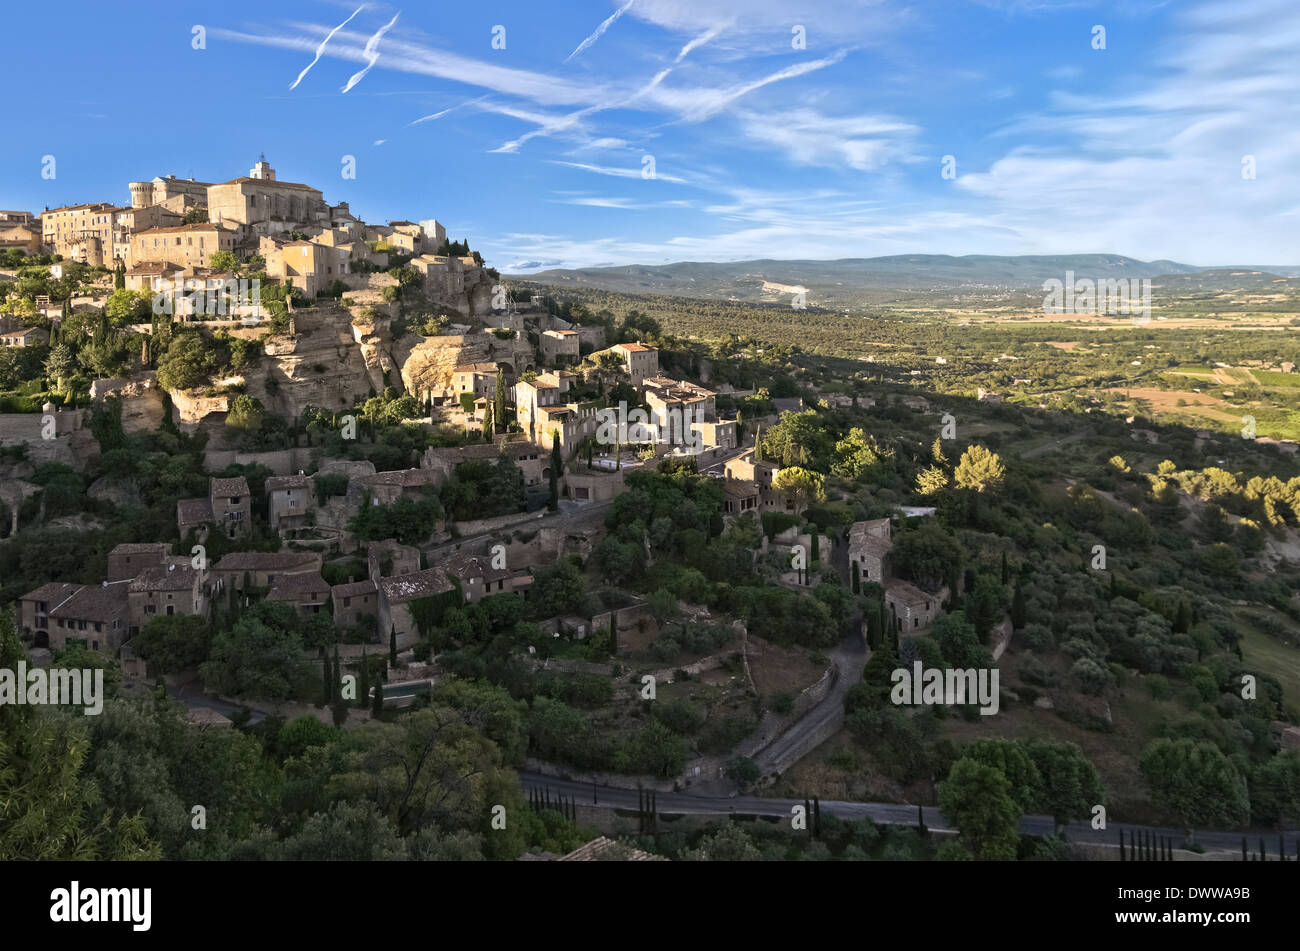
pixel 371 52
pixel 600 30
pixel 439 115
pixel 321 49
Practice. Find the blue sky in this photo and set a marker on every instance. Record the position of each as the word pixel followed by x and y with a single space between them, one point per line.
pixel 535 152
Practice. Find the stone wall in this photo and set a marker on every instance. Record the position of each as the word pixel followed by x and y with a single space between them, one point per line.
pixel 73 445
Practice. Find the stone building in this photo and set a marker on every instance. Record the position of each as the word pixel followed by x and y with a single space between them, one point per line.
pixel 869 548
pixel 97 616
pixel 640 360
pixel 81 233
pixel 288 500
pixel 354 602
pixel 127 560
pixel 166 590
pixel 158 191
pixel 259 204
pixel 914 610
pixel 231 505
pixel 189 246
pixel 307 592
pixel 559 346
pixel 263 568
pixel 396 596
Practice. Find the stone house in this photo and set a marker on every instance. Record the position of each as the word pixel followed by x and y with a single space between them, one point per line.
pixel 28 337
pixel 396 596
pixel 166 590
pixel 914 610
pixel 231 505
pixel 184 245
pixel 869 548
pixel 307 592
pixel 57 614
pixel 127 560
pixel 559 346
pixel 640 360
pixel 288 500
pixel 354 602
pixel 264 568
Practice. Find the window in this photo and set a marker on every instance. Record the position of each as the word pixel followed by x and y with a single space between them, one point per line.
pixel 347 602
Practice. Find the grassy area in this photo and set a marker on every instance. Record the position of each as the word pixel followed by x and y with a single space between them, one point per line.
pixel 1276 659
pixel 1273 378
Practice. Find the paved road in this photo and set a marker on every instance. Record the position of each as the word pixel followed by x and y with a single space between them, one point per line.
pixel 819 723
pixel 885 813
pixel 195 698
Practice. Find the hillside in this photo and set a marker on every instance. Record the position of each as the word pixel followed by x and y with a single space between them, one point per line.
pixel 856 281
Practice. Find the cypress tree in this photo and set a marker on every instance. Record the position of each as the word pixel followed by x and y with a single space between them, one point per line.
pixel 392 646
pixel 758 442
pixel 335 692
pixel 377 707
pixel 499 417
pixel 557 463
pixel 1018 609
pixel 489 425
pixel 613 632
pixel 1005 575
pixel 326 693
pixel 363 691
pixel 857 584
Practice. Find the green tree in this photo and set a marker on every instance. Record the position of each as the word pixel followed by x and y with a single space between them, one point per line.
pixel 1070 783
pixel 802 485
pixel 977 799
pixel 1195 782
pixel 223 261
pixel 979 469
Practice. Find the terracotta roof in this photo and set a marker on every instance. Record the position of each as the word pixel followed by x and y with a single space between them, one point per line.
pixel 268 561
pixel 908 593
pixel 180 229
pixel 53 592
pixel 402 477
pixel 94 602
pixel 98 204
pixel 295 586
pixel 606 850
pixel 476 368
pixel 633 347
pixel 418 584
pixel 227 488
pixel 139 548
pixel 739 489
pixel 171 578
pixel 466 567
pixel 354 589
pixel 279 483
pixel 193 511
pixel 245 180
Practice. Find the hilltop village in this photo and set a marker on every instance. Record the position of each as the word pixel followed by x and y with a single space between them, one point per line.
pixel 383 426
pixel 329 488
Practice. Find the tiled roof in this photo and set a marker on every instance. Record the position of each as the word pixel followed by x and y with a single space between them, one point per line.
pixel 139 548
pixel 606 849
pixel 279 483
pixel 402 477
pixel 295 586
pixel 171 578
pixel 466 567
pixel 634 347
pixel 354 589
pixel 94 602
pixel 418 584
pixel 245 180
pixel 226 488
pixel 267 561
pixel 180 229
pixel 907 593
pixel 53 592
pixel 193 511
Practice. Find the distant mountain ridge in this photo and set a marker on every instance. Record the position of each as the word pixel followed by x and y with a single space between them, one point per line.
pixel 847 278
